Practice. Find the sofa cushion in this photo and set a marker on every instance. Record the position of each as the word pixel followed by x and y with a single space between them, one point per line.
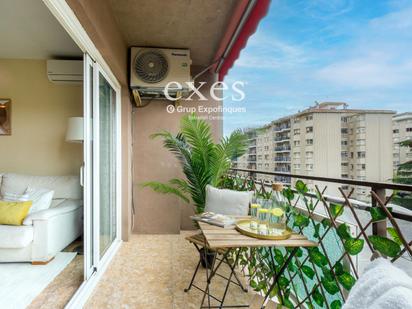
pixel 15 236
pixel 41 198
pixel 63 186
pixel 227 202
pixel 15 197
pixel 13 213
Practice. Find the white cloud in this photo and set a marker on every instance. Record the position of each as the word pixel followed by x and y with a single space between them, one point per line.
pixel 399 21
pixel 378 56
pixel 269 52
pixel 367 72
pixel 348 58
pixel 328 9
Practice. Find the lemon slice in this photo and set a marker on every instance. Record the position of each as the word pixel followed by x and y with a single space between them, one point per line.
pixel 278 212
pixel 255 206
pixel 263 210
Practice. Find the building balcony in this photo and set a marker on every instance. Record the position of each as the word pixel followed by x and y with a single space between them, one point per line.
pixel 282 169
pixel 252 160
pixel 282 149
pixel 280 128
pixel 282 139
pixel 281 159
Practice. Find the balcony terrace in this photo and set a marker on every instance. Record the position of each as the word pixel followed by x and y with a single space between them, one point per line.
pixel 333 221
pixel 282 128
pixel 153 270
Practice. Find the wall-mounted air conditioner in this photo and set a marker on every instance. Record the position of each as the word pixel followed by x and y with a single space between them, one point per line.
pixel 152 69
pixel 65 71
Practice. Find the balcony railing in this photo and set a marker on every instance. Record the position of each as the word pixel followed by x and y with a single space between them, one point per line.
pixel 284 180
pixel 282 169
pixel 349 233
pixel 282 148
pixel 281 127
pixel 282 139
pixel 281 159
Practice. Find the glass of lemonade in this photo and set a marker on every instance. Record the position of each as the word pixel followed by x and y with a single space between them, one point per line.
pixel 263 220
pixel 277 221
pixel 254 215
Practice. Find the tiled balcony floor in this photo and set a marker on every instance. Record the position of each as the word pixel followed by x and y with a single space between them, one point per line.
pixel 151 271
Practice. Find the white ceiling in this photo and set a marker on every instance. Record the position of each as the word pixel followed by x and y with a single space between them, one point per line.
pixel 29 31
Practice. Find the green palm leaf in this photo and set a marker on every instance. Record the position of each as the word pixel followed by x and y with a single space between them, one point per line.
pixel 228 149
pixel 165 189
pixel 203 162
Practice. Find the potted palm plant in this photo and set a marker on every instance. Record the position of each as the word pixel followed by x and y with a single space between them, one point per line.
pixel 203 162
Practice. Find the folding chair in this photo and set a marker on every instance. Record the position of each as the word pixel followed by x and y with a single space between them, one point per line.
pixel 199 242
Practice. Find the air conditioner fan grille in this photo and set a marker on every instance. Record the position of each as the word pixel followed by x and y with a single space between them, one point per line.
pixel 151 66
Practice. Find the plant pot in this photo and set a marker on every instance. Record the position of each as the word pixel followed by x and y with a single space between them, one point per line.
pixel 210 257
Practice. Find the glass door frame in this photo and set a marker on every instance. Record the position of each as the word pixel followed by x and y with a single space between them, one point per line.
pixel 87 169
pixel 69 21
pixel 91 175
pixel 99 261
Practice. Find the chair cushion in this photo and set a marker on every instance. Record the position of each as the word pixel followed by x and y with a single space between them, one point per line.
pixel 227 202
pixel 66 187
pixel 15 236
pixel 13 213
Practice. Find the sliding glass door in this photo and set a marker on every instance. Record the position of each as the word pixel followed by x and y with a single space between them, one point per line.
pixel 101 172
pixel 107 164
pixel 87 174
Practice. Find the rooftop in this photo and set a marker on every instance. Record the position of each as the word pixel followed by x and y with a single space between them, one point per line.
pixel 402 116
pixel 331 107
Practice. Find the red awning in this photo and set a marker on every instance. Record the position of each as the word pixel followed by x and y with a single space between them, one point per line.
pixel 244 22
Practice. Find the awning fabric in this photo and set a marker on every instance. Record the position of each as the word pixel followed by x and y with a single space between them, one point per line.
pixel 259 11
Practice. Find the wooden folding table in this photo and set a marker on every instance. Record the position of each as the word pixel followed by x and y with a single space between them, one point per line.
pixel 217 238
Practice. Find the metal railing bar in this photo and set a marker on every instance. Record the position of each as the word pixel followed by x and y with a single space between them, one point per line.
pixel 383 185
pixel 337 200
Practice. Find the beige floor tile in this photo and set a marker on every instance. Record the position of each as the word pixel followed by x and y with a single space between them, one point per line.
pixel 151 271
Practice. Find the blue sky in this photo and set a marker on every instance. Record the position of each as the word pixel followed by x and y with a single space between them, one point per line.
pixel 356 51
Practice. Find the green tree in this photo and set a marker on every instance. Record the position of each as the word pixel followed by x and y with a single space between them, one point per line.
pixel 404 176
pixel 203 162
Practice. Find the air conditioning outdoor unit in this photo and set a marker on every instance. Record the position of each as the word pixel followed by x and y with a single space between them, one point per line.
pixel 65 71
pixel 152 69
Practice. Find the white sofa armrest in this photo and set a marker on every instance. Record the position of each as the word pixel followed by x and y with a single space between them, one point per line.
pixel 62 208
pixel 55 228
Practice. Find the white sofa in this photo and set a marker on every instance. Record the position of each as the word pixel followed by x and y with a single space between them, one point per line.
pixel 46 232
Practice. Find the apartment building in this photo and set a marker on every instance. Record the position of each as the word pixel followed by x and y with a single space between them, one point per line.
pixel 402 131
pixel 330 140
pixel 248 160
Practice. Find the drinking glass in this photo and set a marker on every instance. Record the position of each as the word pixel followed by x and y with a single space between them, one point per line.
pixel 267 204
pixel 254 215
pixel 277 223
pixel 263 221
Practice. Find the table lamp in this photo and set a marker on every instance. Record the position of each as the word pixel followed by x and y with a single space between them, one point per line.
pixel 75 132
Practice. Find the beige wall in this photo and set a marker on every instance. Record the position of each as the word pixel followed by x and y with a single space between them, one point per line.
pixel 379 155
pixel 326 149
pixel 158 213
pixel 40 110
pixel 98 21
